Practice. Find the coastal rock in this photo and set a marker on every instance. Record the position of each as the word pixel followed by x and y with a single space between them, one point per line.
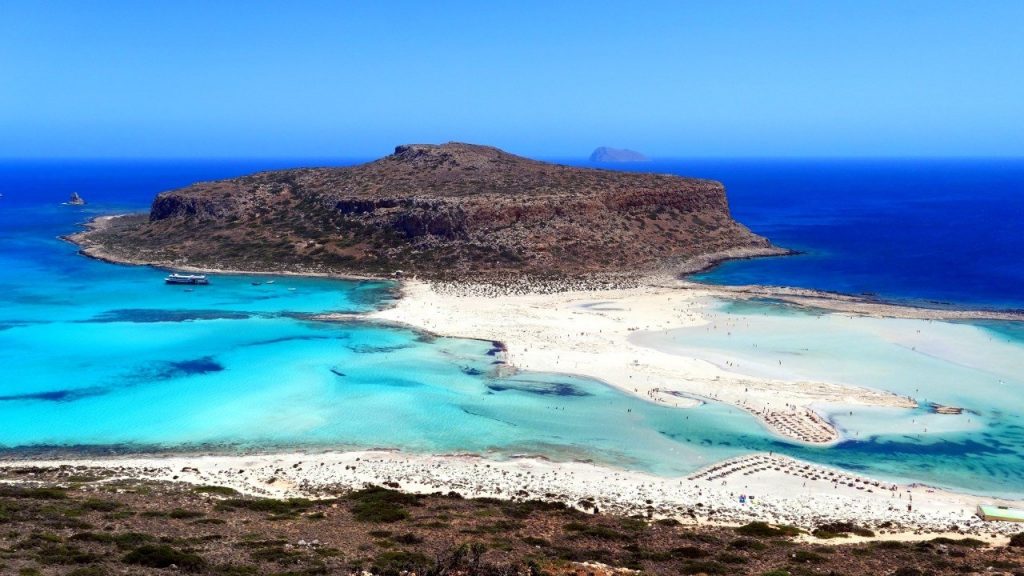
pixel 441 211
pixel 609 155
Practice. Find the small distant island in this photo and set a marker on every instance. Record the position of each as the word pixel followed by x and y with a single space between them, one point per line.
pixel 449 211
pixel 608 155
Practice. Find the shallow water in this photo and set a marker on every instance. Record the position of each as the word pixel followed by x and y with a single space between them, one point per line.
pixel 100 355
pixel 971 366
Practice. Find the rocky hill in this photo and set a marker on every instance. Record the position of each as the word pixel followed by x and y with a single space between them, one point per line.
pixel 442 211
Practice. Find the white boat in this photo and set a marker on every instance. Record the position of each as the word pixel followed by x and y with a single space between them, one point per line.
pixel 176 278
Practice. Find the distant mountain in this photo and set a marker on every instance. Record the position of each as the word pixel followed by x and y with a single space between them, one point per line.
pixel 606 154
pixel 452 210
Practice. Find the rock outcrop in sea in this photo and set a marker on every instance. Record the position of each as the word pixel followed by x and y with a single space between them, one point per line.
pixel 608 155
pixel 440 211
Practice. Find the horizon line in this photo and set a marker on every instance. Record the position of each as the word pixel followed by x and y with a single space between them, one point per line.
pixel 650 160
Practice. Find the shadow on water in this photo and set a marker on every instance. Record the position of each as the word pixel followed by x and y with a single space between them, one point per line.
pixel 141 376
pixel 142 315
pixel 538 387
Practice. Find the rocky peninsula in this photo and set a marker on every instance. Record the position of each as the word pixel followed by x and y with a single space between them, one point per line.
pixel 446 211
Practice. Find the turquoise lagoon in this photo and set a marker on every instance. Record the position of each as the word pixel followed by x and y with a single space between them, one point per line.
pixel 97 356
pixel 975 366
pixel 101 357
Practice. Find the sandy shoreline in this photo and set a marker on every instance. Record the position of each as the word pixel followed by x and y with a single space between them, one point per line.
pixel 784 490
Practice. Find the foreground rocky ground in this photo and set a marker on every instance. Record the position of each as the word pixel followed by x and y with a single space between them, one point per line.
pixel 70 522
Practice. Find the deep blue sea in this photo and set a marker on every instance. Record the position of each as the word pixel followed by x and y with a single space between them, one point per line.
pixel 95 355
pixel 929 232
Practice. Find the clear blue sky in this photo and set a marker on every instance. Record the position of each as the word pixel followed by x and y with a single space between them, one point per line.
pixel 546 78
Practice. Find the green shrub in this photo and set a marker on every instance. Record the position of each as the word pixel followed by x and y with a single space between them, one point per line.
pixel 276 554
pixel 33 493
pixel 270 505
pixel 805 557
pixel 688 552
pixel 163 556
pixel 962 542
pixel 92 537
pixel 180 514
pixel 394 563
pixel 840 530
pixel 100 505
pixel 705 568
pixel 766 530
pixel 220 490
pixel 127 540
pixel 527 507
pixel 377 504
pixel 63 554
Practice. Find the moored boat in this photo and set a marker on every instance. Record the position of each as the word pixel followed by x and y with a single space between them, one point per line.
pixel 176 278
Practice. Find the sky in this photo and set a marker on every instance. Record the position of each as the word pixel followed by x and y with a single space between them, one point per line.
pixel 721 78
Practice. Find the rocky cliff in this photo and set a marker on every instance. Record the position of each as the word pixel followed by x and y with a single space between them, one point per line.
pixel 442 211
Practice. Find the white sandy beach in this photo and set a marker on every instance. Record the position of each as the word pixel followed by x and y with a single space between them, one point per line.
pixel 784 490
pixel 588 333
